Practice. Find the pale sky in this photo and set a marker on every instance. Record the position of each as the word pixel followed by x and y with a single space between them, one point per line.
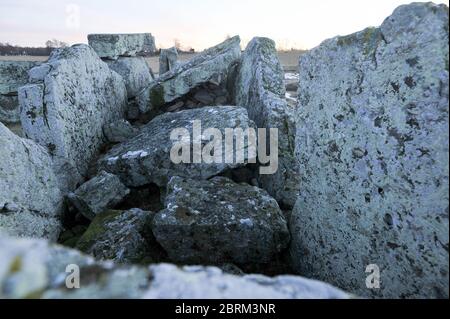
pixel 195 23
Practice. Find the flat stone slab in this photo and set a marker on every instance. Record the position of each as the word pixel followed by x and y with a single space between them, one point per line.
pixel 146 158
pixel 218 221
pixel 116 45
pixel 167 60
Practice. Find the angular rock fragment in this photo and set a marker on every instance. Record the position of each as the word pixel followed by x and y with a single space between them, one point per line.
pixel 121 45
pixel 121 236
pixel 135 72
pixel 146 158
pixel 13 74
pixel 260 89
pixel 211 66
pixel 119 131
pixel 64 109
pixel 30 199
pixel 372 142
pixel 102 192
pixel 218 221
pixel 35 269
pixel 167 60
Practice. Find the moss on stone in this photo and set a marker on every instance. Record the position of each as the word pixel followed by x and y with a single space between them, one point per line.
pixel 157 96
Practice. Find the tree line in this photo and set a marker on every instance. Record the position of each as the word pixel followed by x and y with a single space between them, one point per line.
pixel 9 49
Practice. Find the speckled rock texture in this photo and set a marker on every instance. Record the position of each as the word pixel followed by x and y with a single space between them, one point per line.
pixel 30 199
pixel 167 60
pixel 65 107
pixel 135 72
pixel 100 193
pixel 13 74
pixel 119 131
pixel 372 144
pixel 212 66
pixel 260 89
pixel 146 158
pixel 121 236
pixel 35 269
pixel 113 46
pixel 218 221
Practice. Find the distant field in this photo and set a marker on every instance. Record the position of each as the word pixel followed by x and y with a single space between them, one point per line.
pixel 289 59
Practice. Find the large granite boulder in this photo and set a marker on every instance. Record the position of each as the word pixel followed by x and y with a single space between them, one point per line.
pixel 210 66
pixel 260 89
pixel 218 221
pixel 100 193
pixel 372 144
pixel 64 109
pixel 30 199
pixel 113 46
pixel 121 236
pixel 135 72
pixel 35 269
pixel 13 74
pixel 146 158
pixel 167 60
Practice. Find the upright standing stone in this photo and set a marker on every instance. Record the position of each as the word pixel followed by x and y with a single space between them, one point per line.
pixel 64 109
pixel 167 60
pixel 260 89
pixel 372 143
pixel 30 199
pixel 115 45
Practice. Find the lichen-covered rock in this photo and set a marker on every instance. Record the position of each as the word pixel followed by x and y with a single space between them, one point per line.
pixel 372 142
pixel 121 236
pixel 113 46
pixel 210 66
pixel 218 221
pixel 146 158
pixel 102 192
pixel 135 71
pixel 35 269
pixel 260 89
pixel 30 199
pixel 119 131
pixel 167 60
pixel 64 109
pixel 13 74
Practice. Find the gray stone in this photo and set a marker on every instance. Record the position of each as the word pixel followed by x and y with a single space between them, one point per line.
pixel 119 131
pixel 204 97
pixel 260 89
pixel 121 236
pixel 218 221
pixel 30 199
pixel 35 269
pixel 146 158
pixel 102 192
pixel 13 74
pixel 210 66
pixel 65 109
pixel 372 142
pixel 135 72
pixel 118 45
pixel 167 60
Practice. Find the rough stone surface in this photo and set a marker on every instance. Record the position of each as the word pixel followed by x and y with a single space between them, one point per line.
pixel 119 131
pixel 218 221
pixel 373 150
pixel 121 45
pixel 121 236
pixel 260 89
pixel 135 71
pixel 210 66
pixel 72 96
pixel 98 194
pixel 146 158
pixel 30 199
pixel 13 74
pixel 35 269
pixel 167 60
